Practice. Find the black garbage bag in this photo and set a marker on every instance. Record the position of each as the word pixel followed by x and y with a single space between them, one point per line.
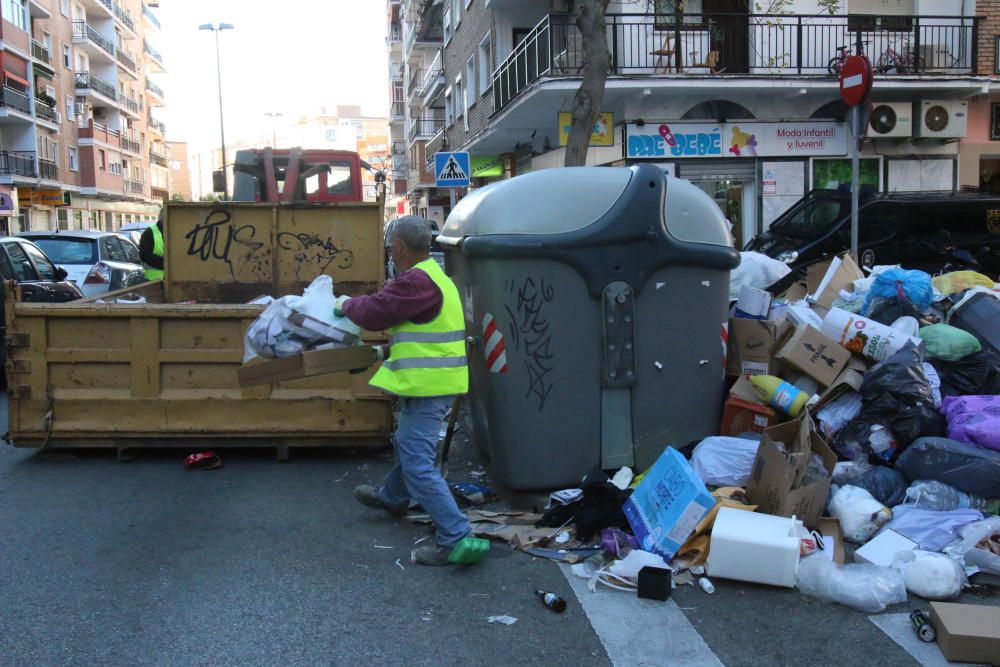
pixel 970 469
pixel 887 311
pixel 599 508
pixel 887 485
pixel 973 375
pixel 897 407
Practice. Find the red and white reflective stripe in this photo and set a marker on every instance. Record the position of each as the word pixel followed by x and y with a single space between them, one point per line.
pixel 493 344
pixel 725 344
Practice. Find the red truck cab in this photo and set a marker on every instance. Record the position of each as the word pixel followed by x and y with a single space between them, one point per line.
pixel 297 175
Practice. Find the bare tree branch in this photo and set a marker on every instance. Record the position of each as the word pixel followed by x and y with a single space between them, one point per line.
pixel 589 18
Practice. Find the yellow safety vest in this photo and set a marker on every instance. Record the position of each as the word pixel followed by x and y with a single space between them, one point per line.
pixel 151 273
pixel 428 359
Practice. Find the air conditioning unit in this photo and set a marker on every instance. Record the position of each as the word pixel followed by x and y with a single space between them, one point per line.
pixel 78 108
pixel 58 118
pixel 941 119
pixel 891 119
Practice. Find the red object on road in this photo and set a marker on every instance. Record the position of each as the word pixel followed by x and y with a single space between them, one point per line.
pixel 207 460
pixel 855 80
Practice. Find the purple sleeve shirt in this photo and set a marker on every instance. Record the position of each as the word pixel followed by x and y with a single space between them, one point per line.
pixel 412 297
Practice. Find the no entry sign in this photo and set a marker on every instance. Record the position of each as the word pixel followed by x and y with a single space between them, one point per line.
pixel 855 80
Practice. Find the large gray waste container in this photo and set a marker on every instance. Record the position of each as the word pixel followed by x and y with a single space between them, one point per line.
pixel 595 298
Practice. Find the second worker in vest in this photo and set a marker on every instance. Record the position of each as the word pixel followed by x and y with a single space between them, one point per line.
pixel 151 250
pixel 426 368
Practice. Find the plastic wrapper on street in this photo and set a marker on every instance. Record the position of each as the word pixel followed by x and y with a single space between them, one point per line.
pixel 867 588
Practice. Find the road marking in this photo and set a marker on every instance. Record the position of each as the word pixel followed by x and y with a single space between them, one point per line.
pixel 641 632
pixel 900 630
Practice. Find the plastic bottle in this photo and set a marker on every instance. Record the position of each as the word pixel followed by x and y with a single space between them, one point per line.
pixel 780 394
pixel 552 601
pixel 706 585
pixel 931 495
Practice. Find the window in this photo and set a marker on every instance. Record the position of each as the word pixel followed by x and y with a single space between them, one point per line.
pixel 338 179
pixel 69 106
pixel 101 160
pixel 446 24
pixel 456 12
pixel 468 2
pixel 459 99
pixel 64 7
pixel 995 122
pixel 73 161
pixel 46 269
pixel 131 252
pixel 6 272
pixel 51 92
pixel 23 270
pixel 113 250
pixel 47 40
pixel 15 12
pixel 77 219
pixel 449 116
pixel 996 56
pixel 62 217
pixel 92 222
pixel 470 83
pixel 67 57
pixel 485 64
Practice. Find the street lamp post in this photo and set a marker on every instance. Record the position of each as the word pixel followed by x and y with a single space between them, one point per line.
pixel 222 127
pixel 274 116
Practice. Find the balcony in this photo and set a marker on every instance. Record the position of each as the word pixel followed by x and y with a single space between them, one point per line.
pixel 396 110
pixel 148 14
pixel 416 79
pixel 762 46
pixel 158 158
pixel 433 145
pixel 125 17
pixel 38 10
pixel 87 81
pixel 18 163
pixel 87 35
pixel 127 62
pixel 130 105
pixel 433 82
pixel 42 58
pixel 395 36
pixel 424 128
pixel 155 93
pixel 45 111
pixel 155 58
pixel 395 72
pixel 398 148
pixel 156 125
pixel 133 187
pixel 105 8
pixel 130 145
pixel 48 170
pixel 427 30
pixel 15 99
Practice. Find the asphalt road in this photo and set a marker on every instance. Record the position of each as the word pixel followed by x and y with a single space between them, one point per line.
pixel 266 563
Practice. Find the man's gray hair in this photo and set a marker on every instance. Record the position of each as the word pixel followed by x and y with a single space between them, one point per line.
pixel 414 232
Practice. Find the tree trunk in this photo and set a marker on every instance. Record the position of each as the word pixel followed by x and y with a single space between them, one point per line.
pixel 589 15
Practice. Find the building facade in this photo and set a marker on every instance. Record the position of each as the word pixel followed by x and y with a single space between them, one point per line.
pixel 743 102
pixel 80 146
pixel 180 171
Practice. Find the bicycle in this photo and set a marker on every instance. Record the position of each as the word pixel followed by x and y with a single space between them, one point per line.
pixel 902 63
pixel 836 64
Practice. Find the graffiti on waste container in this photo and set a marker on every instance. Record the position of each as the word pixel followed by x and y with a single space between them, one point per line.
pixel 310 250
pixel 530 333
pixel 217 238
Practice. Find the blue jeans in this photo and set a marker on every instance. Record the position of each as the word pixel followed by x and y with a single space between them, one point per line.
pixel 415 475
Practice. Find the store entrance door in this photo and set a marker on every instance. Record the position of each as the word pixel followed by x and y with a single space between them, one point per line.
pixel 729 194
pixel 730 183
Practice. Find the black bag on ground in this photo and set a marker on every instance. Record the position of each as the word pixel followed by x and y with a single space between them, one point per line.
pixel 888 486
pixel 973 375
pixel 971 469
pixel 895 395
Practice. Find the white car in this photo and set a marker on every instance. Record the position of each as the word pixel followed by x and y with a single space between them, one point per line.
pixel 97 262
pixel 134 230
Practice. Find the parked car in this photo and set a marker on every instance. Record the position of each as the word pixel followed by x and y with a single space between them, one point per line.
pixel 437 254
pixel 98 262
pixel 931 231
pixel 134 230
pixel 40 281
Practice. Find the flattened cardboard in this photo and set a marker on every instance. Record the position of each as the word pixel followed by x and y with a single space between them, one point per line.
pixel 752 344
pixel 774 480
pixel 306 364
pixel 967 632
pixel 843 278
pixel 814 354
pixel 881 549
pixel 850 379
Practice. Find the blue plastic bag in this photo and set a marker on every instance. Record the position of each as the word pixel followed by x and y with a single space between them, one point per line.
pixel 912 287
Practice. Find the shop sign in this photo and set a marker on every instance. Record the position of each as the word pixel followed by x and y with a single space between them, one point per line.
pixel 735 139
pixel 604 129
pixel 6 201
pixel 29 197
pixel 484 166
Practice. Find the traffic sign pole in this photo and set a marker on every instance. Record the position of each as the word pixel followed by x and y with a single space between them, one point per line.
pixel 855 86
pixel 855 175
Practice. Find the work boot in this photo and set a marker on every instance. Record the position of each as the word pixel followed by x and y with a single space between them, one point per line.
pixel 367 495
pixel 432 554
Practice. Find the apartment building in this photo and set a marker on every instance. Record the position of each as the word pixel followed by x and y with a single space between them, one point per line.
pixel 980 149
pixel 180 171
pixel 742 102
pixel 80 146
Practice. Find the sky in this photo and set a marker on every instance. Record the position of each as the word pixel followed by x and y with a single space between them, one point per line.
pixel 291 56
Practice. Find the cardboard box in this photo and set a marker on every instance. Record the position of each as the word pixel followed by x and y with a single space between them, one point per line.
pixel 776 481
pixel 667 505
pixel 850 379
pixel 833 539
pixel 753 303
pixel 967 632
pixel 305 364
pixel 752 344
pixel 881 549
pixel 814 354
pixel 742 416
pixel 826 279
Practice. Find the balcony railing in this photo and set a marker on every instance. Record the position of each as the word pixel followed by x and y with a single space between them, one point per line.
pixel 129 103
pixel 109 4
pixel 399 148
pixel 48 170
pixel 765 45
pixel 153 53
pixel 416 79
pixel 124 16
pixel 83 30
pixel 395 72
pixel 15 99
pixel 159 158
pixel 128 61
pixel 424 128
pixel 88 80
pixel 39 52
pixel 153 88
pixel 396 109
pixel 17 163
pixel 130 145
pixel 133 187
pixel 45 111
pixel 148 13
pixel 395 33
pixel 157 125
pixel 432 76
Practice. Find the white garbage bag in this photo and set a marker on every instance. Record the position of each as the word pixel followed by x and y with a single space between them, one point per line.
pixel 755 270
pixel 930 575
pixel 859 513
pixel 965 548
pixel 724 461
pixel 868 588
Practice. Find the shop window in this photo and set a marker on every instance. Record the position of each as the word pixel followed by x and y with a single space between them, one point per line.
pixel 62 216
pixel 995 121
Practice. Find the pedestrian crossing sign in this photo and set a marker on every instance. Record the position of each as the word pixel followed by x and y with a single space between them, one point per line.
pixel 451 170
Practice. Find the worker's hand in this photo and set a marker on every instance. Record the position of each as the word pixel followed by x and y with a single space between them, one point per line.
pixel 338 305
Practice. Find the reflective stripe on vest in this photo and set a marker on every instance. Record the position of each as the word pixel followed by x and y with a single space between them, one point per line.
pixel 428 359
pixel 151 273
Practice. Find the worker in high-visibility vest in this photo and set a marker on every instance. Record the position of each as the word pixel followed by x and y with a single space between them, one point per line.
pixel 426 368
pixel 151 250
